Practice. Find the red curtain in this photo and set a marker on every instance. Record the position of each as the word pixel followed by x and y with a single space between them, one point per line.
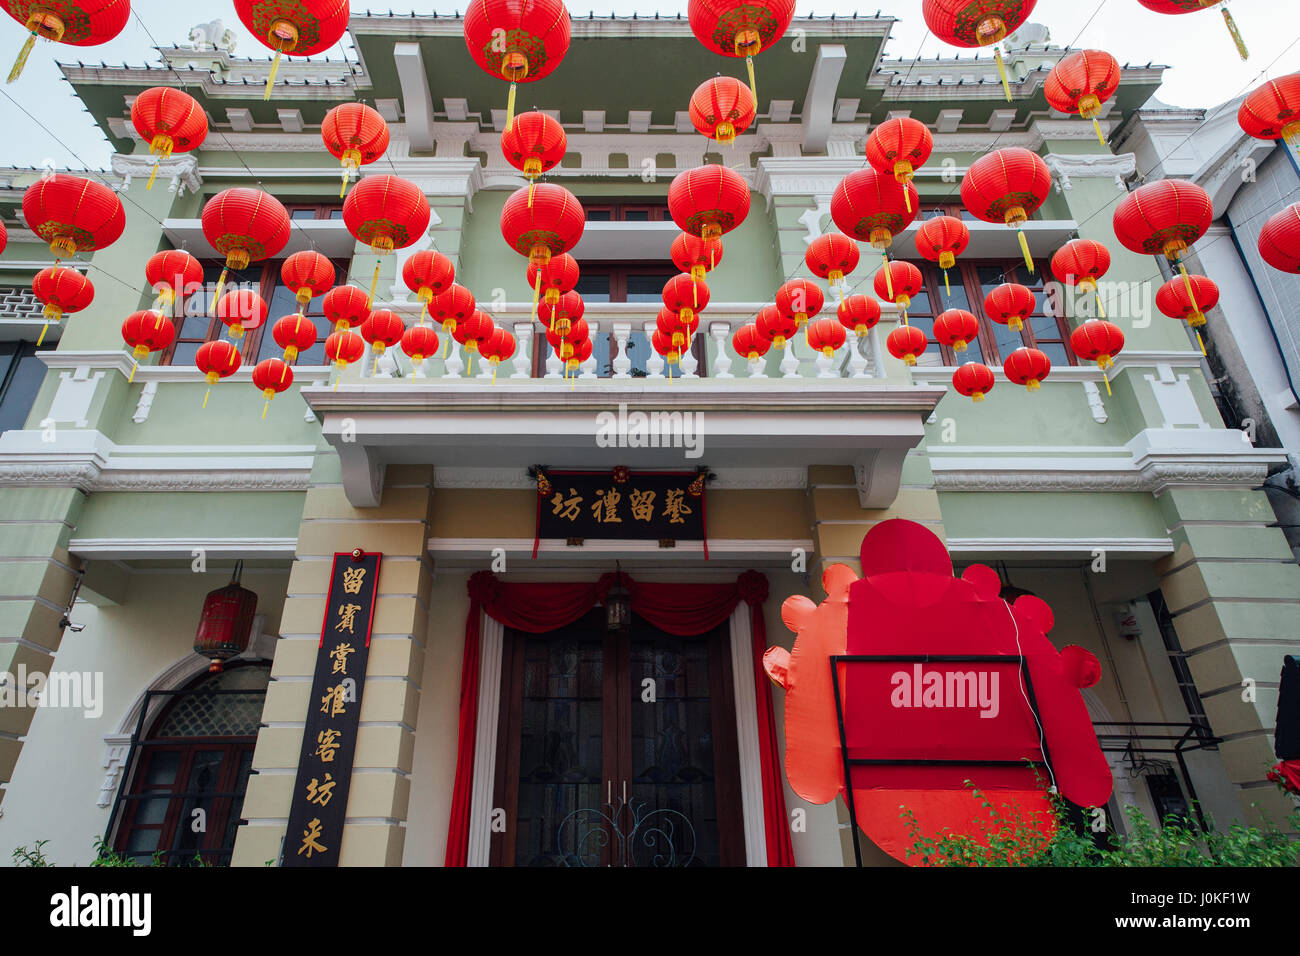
pixel 683 610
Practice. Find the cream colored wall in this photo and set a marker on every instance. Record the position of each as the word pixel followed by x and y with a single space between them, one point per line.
pixel 57 781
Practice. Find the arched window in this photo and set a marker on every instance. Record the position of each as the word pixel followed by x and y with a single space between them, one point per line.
pixel 191 769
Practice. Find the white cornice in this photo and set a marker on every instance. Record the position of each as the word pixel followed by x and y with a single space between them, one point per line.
pixel 180 169
pixel 727 479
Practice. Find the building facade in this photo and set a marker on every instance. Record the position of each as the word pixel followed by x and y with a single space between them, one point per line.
pixel 1130 506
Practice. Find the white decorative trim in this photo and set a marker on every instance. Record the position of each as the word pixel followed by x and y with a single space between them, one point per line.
pixel 181 169
pixel 723 552
pixel 747 745
pixel 1068 166
pixel 517 478
pixel 491 646
pixel 117 549
pixel 1095 405
pixel 1070 547
pixel 145 405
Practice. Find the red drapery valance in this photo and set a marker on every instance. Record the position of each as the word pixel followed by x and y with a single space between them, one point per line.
pixel 680 609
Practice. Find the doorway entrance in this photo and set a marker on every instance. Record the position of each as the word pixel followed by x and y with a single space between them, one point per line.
pixel 617 749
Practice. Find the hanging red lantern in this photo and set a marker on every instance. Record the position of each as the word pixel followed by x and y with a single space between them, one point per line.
pixel 708 201
pixel 1007 186
pixel 386 212
pixel 382 330
pixel 428 273
pixel 956 328
pixel 170 121
pixel 974 380
pixel 1098 341
pixel 832 256
pixel 473 332
pixel 4 237
pixel 684 297
pixel 899 147
pixel 226 624
pixel 244 225
pixel 518 41
pixel 499 347
pixel 874 207
pixel 775 326
pixel 663 344
pixel 1279 240
pixel 1163 217
pixel 1081 82
pixel 722 108
pixel 977 24
pixel 799 299
pixel 534 144
pixel 271 377
pixel 1188 298
pixel 898 282
pixel 548 225
pixel 346 307
pixel 1188 6
pixel 560 315
pixel 308 274
pixel 300 28
pixel 1082 262
pixel 739 28
pixel 75 22
pixel 906 342
pixel 62 291
pixel 172 274
pixel 749 343
pixel 419 342
pixel 942 239
pixel 295 333
pixel 241 309
pixel 216 360
pixel 146 332
pixel 73 214
pixel 826 336
pixel 582 352
pixel 859 314
pixel 1010 304
pixel 670 324
pixel 1027 367
pixel 564 343
pixel 551 280
pixel 343 348
pixel 1272 111
pixel 356 135
pixel 449 309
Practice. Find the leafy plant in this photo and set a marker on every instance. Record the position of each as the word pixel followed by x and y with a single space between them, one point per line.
pixel 22 856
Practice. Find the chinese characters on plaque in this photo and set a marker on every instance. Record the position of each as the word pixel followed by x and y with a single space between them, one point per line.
pixel 655 505
pixel 320 794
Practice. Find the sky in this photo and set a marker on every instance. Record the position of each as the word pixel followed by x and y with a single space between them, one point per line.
pixel 1204 69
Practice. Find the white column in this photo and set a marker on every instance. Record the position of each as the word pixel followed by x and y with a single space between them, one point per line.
pixel 655 363
pixel 747 746
pixel 857 361
pixel 721 361
pixel 491 641
pixel 622 364
pixel 523 350
pixel 454 364
pixel 588 368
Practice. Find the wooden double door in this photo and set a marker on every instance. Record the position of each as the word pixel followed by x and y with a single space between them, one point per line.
pixel 617 749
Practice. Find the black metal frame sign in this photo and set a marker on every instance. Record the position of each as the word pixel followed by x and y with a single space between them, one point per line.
pixel 621 504
pixel 329 743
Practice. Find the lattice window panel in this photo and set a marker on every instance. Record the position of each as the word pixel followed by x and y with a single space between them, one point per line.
pixel 205 714
pixel 19 303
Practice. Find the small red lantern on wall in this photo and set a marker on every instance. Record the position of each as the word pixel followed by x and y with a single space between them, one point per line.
pixel 1188 298
pixel 428 273
pixel 499 347
pixel 832 256
pixel 1027 367
pixel 226 624
pixel 294 333
pixel 240 310
pixel 173 274
pixel 826 336
pixel 346 307
pixel 708 201
pixel 799 300
pixel 343 348
pixel 62 291
pixel 419 342
pixel 1082 262
pixel 146 332
pixel 974 380
pixel 308 274
pixel 216 360
pixel 775 326
pixel 898 282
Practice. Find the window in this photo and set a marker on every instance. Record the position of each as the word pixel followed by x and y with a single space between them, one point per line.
pixel 21 374
pixel 631 211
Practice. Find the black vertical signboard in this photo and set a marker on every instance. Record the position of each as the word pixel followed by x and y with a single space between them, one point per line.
pixel 329 743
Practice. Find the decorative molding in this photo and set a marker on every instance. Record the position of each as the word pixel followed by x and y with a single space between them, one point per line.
pixel 1095 404
pixel 1153 478
pixel 1068 166
pixel 728 479
pixel 145 405
pixel 122 549
pixel 181 169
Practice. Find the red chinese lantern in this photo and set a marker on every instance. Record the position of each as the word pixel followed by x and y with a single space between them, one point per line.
pixel 451 308
pixel 663 344
pixel 825 336
pixel 517 40
pixel 216 360
pixel 560 315
pixel 1279 240
pixel 832 256
pixel 308 274
pixel 428 273
pixel 548 225
pixel 356 135
pixel 551 279
pixel 898 282
pixel 244 225
pixel 4 237
pixel 170 121
pixel 684 297
pixel 1188 6
pixel 241 309
pixel 300 28
pixel 668 322
pixel 1081 82
pixel 582 352
pixel 1082 262
pixel 906 342
pixel 61 290
pixel 419 342
pixel 73 214
pixel 737 28
pixel 775 326
pixel 146 332
pixel 1163 217
pixel 942 239
pixel 749 343
pixel 722 108
pixel 874 207
pixel 956 328
pixel 1010 304
pixel 388 213
pixel 172 274
pixel 75 22
pixel 382 330
pixel 708 201
pixel 271 377
pixel 974 380
pixel 226 625
pixel 1188 298
pixel 565 342
pixel 799 299
pixel 859 314
pixel 295 333
pixel 1098 341
pixel 534 143
pixel 1272 111
pixel 499 347
pixel 982 23
pixel 899 146
pixel 1008 186
pixel 473 332
pixel 343 348
pixel 346 307
pixel 1027 367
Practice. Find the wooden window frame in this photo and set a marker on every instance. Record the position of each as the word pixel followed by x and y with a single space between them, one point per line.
pixel 619 208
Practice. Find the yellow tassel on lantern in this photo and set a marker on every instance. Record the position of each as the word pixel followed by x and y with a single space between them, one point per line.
pixel 496 363
pixel 205 397
pixel 537 292
pixel 1024 248
pixel 374 283
pixel 532 184
pixel 1101 138
pixel 21 61
pixel 264 408
pixel 1105 377
pixel 753 87
pixel 44 328
pixel 1236 34
pixel 510 108
pixel 1002 72
pixel 270 80
pixel 947 289
pixel 889 276
pixel 1200 341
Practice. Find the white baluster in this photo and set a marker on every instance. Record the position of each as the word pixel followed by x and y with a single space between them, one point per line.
pixel 655 363
pixel 523 350
pixel 826 365
pixel 554 365
pixel 689 363
pixel 857 361
pixel 789 362
pixel 721 360
pixel 622 364
pixel 482 367
pixel 757 368
pixel 588 368
pixel 454 364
